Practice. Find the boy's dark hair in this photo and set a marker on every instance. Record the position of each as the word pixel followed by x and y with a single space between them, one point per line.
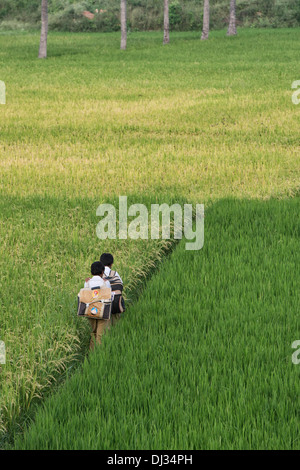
pixel 107 259
pixel 97 268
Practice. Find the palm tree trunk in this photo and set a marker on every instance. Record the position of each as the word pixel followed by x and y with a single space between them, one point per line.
pixel 166 22
pixel 44 30
pixel 232 19
pixel 205 30
pixel 123 24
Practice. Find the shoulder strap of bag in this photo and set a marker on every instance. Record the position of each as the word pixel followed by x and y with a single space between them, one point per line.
pixel 111 274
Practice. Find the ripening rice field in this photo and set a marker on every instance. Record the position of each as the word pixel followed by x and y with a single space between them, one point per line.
pixel 193 122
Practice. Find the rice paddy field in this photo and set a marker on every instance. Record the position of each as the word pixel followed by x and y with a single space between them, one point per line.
pixel 202 357
pixel 204 361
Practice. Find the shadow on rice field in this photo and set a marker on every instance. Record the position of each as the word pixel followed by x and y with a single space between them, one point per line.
pixel 203 359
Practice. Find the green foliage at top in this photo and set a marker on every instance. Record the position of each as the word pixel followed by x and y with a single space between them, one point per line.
pixel 66 15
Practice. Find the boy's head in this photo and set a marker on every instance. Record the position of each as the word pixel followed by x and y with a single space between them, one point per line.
pixel 97 268
pixel 107 259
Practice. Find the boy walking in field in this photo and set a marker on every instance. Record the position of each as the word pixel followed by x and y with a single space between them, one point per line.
pixel 116 283
pixel 98 324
